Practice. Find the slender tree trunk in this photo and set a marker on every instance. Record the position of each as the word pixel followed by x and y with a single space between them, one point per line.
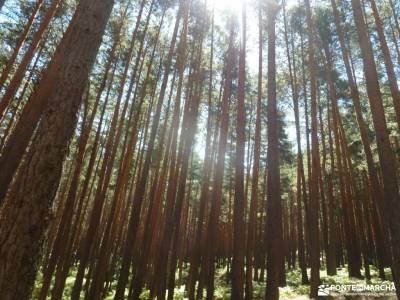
pixel 109 233
pixel 240 200
pixel 306 199
pixel 331 264
pixel 15 111
pixel 141 186
pixel 154 211
pixel 394 88
pixel 252 226
pixel 385 152
pixel 395 17
pixel 372 172
pixel 301 183
pixel 211 236
pixel 11 61
pixel 204 194
pixel 178 168
pixel 324 219
pixel 189 126
pixel 20 71
pixel 274 228
pixel 315 163
pixel 346 193
pixel 109 158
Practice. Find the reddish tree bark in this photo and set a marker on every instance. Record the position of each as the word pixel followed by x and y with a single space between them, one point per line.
pixel 210 250
pixel 10 62
pixel 385 152
pixel 20 71
pixel 109 158
pixel 301 181
pixel 140 191
pixel 35 187
pixel 390 71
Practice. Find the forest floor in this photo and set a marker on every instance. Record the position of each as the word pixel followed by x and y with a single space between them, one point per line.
pixel 293 291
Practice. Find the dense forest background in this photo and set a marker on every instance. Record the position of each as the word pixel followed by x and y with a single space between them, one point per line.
pixel 241 149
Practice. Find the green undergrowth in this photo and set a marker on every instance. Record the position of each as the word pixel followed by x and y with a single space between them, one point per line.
pixel 294 289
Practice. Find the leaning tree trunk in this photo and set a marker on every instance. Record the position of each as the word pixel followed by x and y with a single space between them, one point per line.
pixel 372 172
pixel 189 126
pixel 27 210
pixel 33 110
pixel 14 111
pixel 58 248
pixel 390 71
pixel 109 158
pixel 347 197
pixel 37 38
pixel 385 152
pixel 20 42
pixel 140 191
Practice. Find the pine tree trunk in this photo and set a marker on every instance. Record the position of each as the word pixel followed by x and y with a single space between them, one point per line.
pixel 252 226
pixel 315 162
pixel 26 213
pixel 240 200
pixel 305 183
pixel 11 61
pixel 216 199
pixel 372 172
pixel 395 17
pixel 13 118
pixel 30 116
pixel 274 230
pixel 301 183
pixel 189 126
pixel 140 191
pixel 346 193
pixel 20 71
pixel 394 88
pixel 99 275
pixel 109 158
pixel 386 155
pixel 205 183
pixel 176 175
pixel 155 209
pixel 324 219
pixel 331 263
pixel 59 244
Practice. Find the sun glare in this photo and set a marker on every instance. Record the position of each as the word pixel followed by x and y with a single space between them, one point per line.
pixel 227 5
pixel 235 5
